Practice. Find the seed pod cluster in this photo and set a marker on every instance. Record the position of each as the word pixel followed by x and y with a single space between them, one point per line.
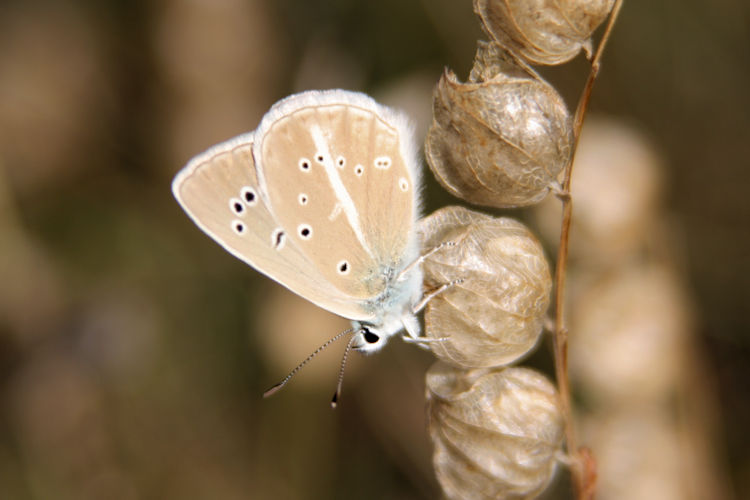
pixel 496 431
pixel 495 313
pixel 500 139
pixel 543 31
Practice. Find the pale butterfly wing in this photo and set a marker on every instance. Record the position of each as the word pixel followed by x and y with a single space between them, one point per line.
pixel 219 190
pixel 340 174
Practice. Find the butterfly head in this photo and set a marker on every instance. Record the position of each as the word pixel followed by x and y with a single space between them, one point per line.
pixel 372 336
pixel 369 339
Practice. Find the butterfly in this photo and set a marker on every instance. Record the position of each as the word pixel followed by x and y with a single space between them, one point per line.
pixel 323 197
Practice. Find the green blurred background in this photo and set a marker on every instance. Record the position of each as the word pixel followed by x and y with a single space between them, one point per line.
pixel 134 350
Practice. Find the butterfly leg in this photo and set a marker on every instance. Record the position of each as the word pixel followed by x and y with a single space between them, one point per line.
pixel 423 342
pixel 412 328
pixel 437 291
pixel 413 336
pixel 405 272
pixel 413 332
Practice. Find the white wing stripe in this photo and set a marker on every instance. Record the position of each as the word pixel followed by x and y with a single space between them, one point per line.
pixel 342 195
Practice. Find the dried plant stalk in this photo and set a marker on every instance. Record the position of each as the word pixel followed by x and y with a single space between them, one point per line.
pixel 543 31
pixel 496 432
pixel 583 469
pixel 617 189
pixel 500 140
pixel 495 314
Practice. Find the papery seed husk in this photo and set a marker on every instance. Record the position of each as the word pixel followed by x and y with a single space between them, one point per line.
pixel 543 31
pixel 501 142
pixel 492 60
pixel 495 315
pixel 496 432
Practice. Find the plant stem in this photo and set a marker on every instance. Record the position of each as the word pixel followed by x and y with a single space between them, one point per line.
pixel 583 468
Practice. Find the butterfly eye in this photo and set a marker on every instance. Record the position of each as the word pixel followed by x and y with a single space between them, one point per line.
pixel 303 199
pixel 248 194
pixel 319 158
pixel 341 161
pixel 403 184
pixel 370 338
pixel 359 170
pixel 236 206
pixel 304 164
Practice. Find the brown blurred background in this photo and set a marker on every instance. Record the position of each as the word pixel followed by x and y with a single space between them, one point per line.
pixel 134 350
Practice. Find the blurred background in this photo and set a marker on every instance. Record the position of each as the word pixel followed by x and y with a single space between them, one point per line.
pixel 134 350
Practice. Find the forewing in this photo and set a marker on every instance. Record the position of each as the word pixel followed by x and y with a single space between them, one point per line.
pixel 350 160
pixel 219 190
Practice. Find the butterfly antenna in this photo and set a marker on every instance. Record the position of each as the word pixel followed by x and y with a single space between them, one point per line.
pixel 292 373
pixel 337 394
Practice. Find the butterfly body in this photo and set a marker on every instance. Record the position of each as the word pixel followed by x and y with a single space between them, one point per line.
pixel 322 198
pixel 393 310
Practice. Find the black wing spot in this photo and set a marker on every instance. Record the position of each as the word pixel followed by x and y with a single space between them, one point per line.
pixel 248 194
pixel 236 206
pixel 238 227
pixel 277 238
pixel 383 162
pixel 305 231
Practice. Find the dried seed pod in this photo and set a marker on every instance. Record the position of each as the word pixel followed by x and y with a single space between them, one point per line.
pixel 496 432
pixel 492 60
pixel 500 142
pixel 543 31
pixel 495 314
